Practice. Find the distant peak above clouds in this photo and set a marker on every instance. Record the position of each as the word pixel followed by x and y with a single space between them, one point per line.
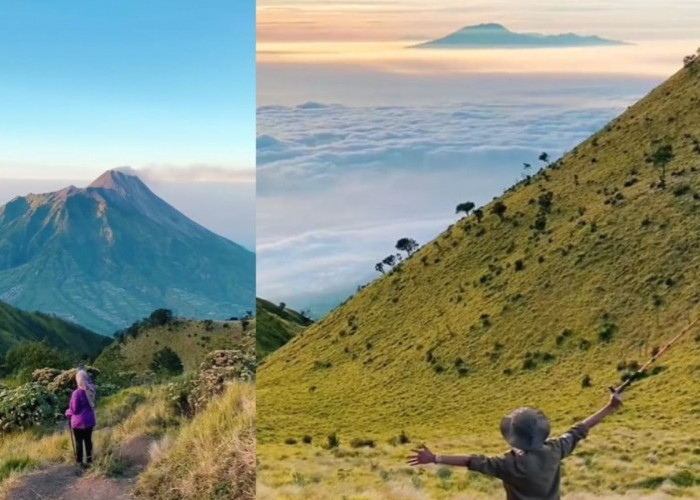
pixel 494 35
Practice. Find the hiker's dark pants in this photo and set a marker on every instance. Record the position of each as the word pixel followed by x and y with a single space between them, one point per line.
pixel 83 436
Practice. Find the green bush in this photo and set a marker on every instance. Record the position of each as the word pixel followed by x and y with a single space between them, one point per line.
pixel 191 394
pixel 27 406
pixel 362 443
pixel 333 441
pixel 22 359
pixel 166 362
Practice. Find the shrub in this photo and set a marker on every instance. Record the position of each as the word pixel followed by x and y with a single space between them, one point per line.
pixel 607 331
pixel 681 190
pixel 160 317
pixel 529 364
pixel 362 443
pixel 306 439
pixel 27 406
pixel 22 359
pixel 586 382
pixel 519 265
pixel 217 370
pixel 290 441
pixel 499 209
pixel 333 441
pixel 166 362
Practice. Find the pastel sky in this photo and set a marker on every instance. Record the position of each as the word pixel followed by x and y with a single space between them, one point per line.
pixel 361 141
pixel 165 86
pixel 391 20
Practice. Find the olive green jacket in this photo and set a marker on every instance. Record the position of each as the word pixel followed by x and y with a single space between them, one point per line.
pixel 531 475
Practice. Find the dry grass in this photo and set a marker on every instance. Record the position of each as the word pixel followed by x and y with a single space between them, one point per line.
pixel 213 456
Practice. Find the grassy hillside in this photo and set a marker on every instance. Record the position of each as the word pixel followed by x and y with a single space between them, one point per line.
pixel 17 326
pixel 591 267
pixel 190 339
pixel 276 326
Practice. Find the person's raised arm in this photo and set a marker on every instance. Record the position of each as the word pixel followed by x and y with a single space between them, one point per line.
pixel 613 404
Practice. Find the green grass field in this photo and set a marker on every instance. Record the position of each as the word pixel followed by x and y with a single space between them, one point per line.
pixel 591 268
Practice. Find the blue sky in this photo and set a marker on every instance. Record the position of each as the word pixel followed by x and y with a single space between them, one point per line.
pixel 167 86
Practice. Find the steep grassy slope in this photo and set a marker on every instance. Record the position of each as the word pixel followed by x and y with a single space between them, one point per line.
pixel 190 339
pixel 502 313
pixel 17 326
pixel 276 326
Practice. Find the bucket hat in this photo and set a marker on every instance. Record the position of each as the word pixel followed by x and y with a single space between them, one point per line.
pixel 525 429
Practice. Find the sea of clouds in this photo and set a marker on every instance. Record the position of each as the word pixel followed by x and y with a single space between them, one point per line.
pixel 338 185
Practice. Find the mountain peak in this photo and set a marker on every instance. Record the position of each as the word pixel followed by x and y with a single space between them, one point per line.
pixel 115 179
pixel 486 26
pixel 495 35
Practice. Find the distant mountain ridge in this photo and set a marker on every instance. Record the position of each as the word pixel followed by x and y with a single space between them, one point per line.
pixel 18 326
pixel 493 35
pixel 108 254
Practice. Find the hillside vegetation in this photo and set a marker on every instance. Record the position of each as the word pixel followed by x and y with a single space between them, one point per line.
pixel 213 456
pixel 276 326
pixel 191 340
pixel 17 326
pixel 571 278
pixel 190 438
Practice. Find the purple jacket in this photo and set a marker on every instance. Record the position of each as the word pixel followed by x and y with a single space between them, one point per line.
pixel 80 412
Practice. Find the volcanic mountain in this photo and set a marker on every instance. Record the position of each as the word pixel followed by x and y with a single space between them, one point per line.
pixel 111 253
pixel 559 288
pixel 493 35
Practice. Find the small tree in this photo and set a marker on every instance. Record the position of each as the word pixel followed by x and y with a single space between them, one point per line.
pixel 465 207
pixel 160 317
pixel 479 214
pixel 544 157
pixel 166 362
pixel 545 201
pixel 389 260
pixel 407 245
pixel 22 359
pixel 282 306
pixel 660 159
pixel 688 61
pixel 499 208
pixel 379 266
pixel 527 166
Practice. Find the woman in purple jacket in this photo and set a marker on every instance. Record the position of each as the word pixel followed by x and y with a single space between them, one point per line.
pixel 82 416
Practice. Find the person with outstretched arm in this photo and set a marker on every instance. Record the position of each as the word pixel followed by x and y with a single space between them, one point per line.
pixel 531 470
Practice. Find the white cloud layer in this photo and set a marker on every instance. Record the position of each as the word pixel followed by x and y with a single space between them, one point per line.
pixel 337 186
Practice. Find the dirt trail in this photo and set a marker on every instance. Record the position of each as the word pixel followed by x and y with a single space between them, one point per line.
pixel 65 482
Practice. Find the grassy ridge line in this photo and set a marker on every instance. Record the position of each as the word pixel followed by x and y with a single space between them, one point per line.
pixel 496 314
pixel 17 326
pixel 190 339
pixel 276 326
